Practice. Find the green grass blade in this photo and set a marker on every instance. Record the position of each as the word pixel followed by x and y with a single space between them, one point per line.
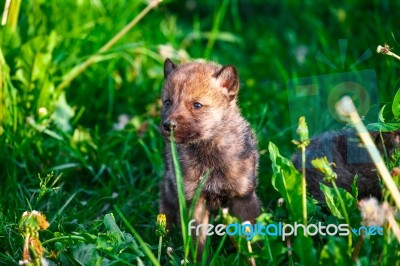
pixel 221 244
pixel 64 206
pixel 143 244
pixel 216 27
pixel 181 196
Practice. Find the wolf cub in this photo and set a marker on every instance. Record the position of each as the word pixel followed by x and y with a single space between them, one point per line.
pixel 199 104
pixel 350 158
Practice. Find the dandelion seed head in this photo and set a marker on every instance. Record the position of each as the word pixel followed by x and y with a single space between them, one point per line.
pixel 225 211
pixel 372 212
pixel 281 201
pixel 23 262
pixel 170 251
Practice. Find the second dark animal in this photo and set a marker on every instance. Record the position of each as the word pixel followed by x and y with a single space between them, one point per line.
pixel 350 158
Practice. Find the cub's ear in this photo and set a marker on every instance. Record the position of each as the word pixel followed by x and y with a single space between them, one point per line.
pixel 169 66
pixel 228 79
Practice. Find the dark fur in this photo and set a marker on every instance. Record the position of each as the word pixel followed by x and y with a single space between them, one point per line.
pixel 213 139
pixel 346 151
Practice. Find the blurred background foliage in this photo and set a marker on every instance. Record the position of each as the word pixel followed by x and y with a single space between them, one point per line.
pixel 100 133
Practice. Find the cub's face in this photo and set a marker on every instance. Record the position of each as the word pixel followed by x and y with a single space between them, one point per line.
pixel 196 99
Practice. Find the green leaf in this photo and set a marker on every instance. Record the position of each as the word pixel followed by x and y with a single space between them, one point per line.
pixel 331 200
pixel 130 240
pixel 143 245
pixel 86 254
pixel 287 180
pixel 44 129
pixel 386 113
pixel 334 252
pixel 333 203
pixel 354 188
pixel 112 227
pixel 119 240
pixel 88 237
pixel 303 247
pixel 63 113
pixel 181 194
pixel 384 127
pixel 34 69
pixel 104 244
pixel 396 104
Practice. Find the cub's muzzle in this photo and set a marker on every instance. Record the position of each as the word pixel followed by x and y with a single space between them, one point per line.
pixel 169 124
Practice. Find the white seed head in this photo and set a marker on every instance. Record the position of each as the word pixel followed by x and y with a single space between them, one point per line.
pixel 246 222
pixel 225 212
pixel 280 202
pixel 169 251
pixel 379 49
pixel 345 106
pixel 372 212
pixel 183 262
pixel 23 262
pixel 44 262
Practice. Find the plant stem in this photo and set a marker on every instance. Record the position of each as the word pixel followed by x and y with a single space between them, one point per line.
pixel 143 245
pixel 346 216
pixel 181 196
pixel 11 14
pixel 2 61
pixel 249 248
pixel 392 221
pixel 304 184
pixel 216 28
pixel 386 50
pixel 269 251
pixel 289 251
pixel 358 247
pixel 216 254
pixel 77 70
pixel 64 238
pixel 159 249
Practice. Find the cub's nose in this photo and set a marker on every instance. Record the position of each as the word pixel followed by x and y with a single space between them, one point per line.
pixel 168 124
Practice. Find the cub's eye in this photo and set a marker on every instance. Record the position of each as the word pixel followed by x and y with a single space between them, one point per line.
pixel 197 105
pixel 167 103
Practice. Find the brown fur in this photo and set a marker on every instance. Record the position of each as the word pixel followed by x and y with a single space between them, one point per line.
pixel 346 151
pixel 213 139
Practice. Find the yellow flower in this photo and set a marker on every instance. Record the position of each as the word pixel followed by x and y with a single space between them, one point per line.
pixel 161 225
pixel 322 165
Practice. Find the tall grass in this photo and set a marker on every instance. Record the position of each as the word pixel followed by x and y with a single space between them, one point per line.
pixel 181 198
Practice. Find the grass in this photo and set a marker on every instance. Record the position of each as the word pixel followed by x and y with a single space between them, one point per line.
pixel 98 168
